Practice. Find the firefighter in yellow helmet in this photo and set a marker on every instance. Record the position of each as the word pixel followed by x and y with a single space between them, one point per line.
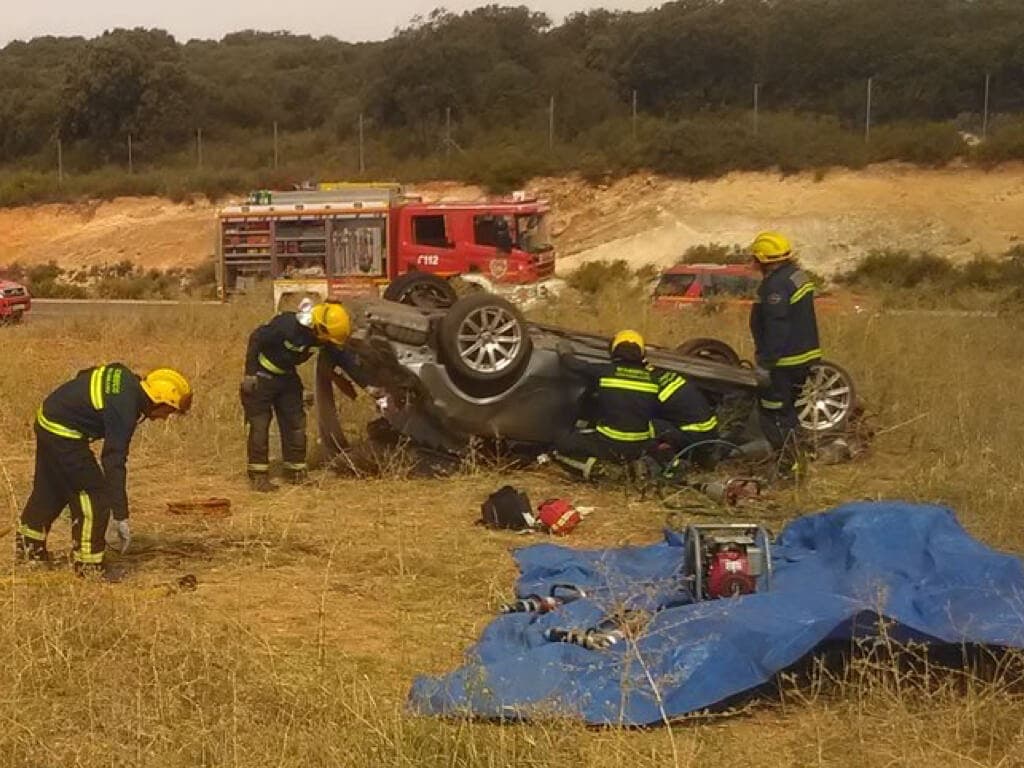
pixel 271 385
pixel 626 399
pixel 103 403
pixel 785 331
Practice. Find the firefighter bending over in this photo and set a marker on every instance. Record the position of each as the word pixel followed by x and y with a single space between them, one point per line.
pixel 685 419
pixel 625 401
pixel 785 331
pixel 106 402
pixel 271 385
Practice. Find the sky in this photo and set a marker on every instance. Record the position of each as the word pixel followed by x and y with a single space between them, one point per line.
pixel 351 20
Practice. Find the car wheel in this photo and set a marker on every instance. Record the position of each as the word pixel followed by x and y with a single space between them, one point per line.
pixel 484 339
pixel 421 289
pixel 709 349
pixel 828 399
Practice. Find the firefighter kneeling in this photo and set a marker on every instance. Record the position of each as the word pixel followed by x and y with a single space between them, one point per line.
pixel 685 420
pixel 626 402
pixel 105 403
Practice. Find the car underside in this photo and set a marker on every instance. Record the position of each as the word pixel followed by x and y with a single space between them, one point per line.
pixel 478 369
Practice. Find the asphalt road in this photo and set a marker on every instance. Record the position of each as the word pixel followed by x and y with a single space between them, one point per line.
pixel 48 310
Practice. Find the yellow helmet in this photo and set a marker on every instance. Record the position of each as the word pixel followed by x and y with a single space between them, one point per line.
pixel 330 322
pixel 770 247
pixel 628 337
pixel 165 386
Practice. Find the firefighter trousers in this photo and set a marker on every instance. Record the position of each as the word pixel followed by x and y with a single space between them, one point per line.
pixel 281 396
pixel 703 448
pixel 777 405
pixel 66 475
pixel 592 444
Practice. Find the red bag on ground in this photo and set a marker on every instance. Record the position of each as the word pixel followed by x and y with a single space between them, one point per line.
pixel 558 516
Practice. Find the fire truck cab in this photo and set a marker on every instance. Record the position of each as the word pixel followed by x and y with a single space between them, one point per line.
pixel 343 240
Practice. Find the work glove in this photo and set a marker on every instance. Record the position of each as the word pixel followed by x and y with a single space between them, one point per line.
pixel 249 384
pixel 124 534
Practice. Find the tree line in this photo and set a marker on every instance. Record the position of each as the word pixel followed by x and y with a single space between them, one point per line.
pixel 493 72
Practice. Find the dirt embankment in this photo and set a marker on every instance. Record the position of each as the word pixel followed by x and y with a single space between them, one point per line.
pixel 147 231
pixel 834 219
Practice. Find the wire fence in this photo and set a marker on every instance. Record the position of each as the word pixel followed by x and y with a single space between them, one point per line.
pixel 975 110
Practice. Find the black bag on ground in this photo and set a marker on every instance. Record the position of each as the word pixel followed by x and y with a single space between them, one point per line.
pixel 507 508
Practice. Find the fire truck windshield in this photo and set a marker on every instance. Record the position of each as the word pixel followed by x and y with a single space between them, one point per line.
pixel 534 232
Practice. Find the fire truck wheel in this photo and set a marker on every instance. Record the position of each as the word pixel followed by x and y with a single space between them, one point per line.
pixel 709 349
pixel 485 339
pixel 421 289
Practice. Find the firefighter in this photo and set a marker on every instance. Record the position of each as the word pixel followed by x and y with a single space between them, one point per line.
pixel 685 419
pixel 271 385
pixel 626 397
pixel 785 332
pixel 106 402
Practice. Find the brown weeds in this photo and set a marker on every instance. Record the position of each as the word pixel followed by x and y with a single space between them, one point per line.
pixel 316 606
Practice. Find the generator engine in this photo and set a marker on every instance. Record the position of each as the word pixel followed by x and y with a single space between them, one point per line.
pixel 727 560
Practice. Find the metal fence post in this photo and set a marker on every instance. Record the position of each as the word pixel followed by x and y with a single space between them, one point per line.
pixel 275 145
pixel 635 98
pixel 60 163
pixel 447 134
pixel 199 147
pixel 362 155
pixel 984 119
pixel 867 113
pixel 551 124
pixel 757 100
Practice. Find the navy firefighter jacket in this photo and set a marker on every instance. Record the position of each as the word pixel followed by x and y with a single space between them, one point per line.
pixel 782 320
pixel 105 403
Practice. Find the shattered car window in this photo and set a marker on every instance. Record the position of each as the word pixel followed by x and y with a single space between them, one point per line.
pixel 674 285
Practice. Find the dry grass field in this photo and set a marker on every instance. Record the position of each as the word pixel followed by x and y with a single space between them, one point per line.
pixel 316 606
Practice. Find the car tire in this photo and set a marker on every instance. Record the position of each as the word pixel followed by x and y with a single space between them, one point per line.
pixel 831 386
pixel 485 344
pixel 709 349
pixel 421 289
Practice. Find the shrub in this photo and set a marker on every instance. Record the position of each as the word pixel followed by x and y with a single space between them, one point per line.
pixel 27 187
pixel 1006 142
pixel 922 143
pixel 900 269
pixel 714 253
pixel 594 276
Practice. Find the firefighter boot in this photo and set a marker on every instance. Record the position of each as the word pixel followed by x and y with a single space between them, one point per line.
pixel 111 574
pixel 30 551
pixel 296 476
pixel 260 482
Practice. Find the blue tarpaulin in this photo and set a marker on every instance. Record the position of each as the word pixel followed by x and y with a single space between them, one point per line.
pixel 835 573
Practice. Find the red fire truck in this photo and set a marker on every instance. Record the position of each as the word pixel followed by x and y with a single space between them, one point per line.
pixel 341 240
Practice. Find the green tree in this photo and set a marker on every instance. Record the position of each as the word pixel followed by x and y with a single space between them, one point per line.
pixel 127 81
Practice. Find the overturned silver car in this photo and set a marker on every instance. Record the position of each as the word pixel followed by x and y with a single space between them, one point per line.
pixel 479 369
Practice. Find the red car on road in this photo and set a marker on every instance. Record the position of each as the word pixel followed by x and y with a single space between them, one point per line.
pixel 15 302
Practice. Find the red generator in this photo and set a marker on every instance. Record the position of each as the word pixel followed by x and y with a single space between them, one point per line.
pixel 727 560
